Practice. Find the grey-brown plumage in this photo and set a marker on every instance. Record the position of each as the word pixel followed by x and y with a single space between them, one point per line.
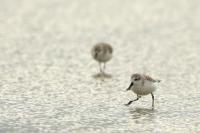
pixel 142 85
pixel 102 52
pixel 144 77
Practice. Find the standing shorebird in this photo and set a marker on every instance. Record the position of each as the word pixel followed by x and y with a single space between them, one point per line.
pixel 102 52
pixel 142 85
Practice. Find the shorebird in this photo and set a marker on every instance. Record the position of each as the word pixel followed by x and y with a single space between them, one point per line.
pixel 102 53
pixel 142 85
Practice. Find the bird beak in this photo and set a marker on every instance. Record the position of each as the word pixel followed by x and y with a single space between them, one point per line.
pixel 130 86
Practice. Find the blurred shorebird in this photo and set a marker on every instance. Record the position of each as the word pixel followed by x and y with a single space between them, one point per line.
pixel 102 53
pixel 142 85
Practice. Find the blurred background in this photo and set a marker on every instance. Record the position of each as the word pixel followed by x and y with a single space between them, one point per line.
pixel 46 68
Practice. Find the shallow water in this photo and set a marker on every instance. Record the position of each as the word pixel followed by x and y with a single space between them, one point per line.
pixel 49 81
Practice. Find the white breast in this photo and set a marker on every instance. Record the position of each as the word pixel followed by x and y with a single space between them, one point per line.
pixel 145 89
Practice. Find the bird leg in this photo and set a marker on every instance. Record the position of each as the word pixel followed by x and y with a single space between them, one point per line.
pixel 152 100
pixel 132 101
pixel 104 67
pixel 100 68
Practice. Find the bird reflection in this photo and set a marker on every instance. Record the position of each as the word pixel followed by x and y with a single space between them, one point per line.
pixel 102 76
pixel 143 113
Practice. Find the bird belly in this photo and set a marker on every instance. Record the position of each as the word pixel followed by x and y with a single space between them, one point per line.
pixel 104 57
pixel 143 90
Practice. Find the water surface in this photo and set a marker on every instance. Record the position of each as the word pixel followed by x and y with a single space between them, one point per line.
pixel 47 79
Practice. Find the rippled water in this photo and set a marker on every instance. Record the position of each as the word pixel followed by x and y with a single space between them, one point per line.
pixel 47 79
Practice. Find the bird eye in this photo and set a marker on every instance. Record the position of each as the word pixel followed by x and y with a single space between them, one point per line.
pixel 137 79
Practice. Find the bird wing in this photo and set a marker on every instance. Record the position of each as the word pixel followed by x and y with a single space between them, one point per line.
pixel 150 78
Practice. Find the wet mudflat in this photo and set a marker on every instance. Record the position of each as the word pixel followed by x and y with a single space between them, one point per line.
pixel 50 83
